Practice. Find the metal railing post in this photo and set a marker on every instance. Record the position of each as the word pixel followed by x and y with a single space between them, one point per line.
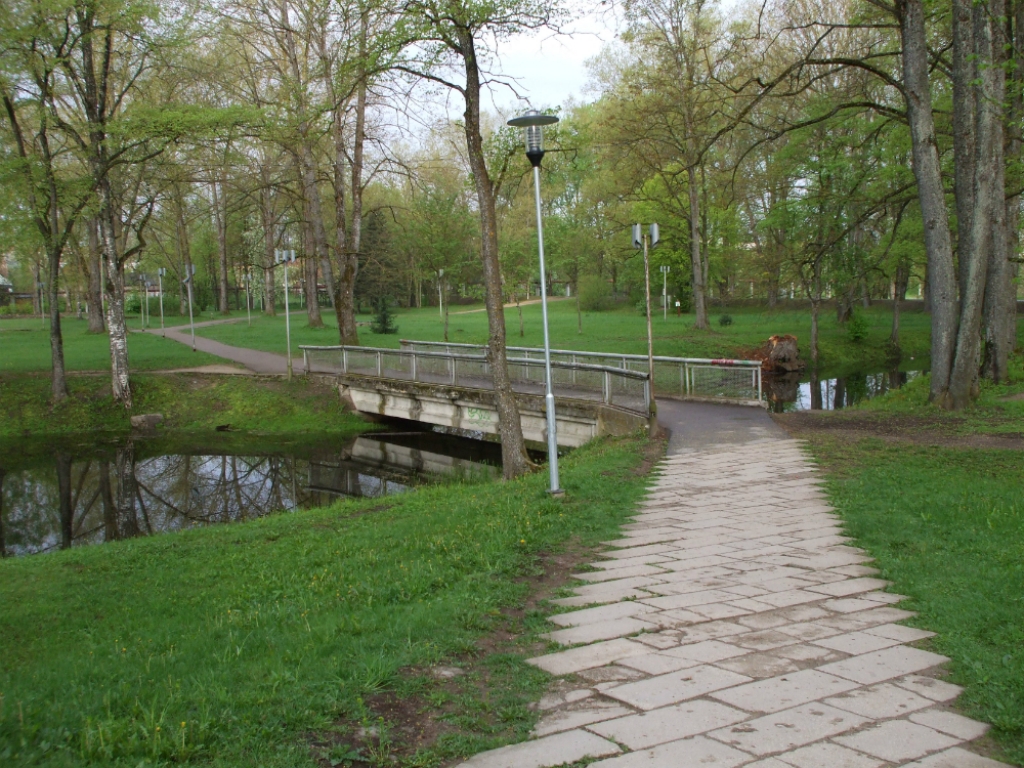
pixel 455 371
pixel 380 364
pixel 757 373
pixel 344 361
pixel 607 388
pixel 415 371
pixel 305 362
pixel 647 395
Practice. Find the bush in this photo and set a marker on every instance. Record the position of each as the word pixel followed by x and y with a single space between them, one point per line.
pixel 725 320
pixel 383 318
pixel 857 328
pixel 595 293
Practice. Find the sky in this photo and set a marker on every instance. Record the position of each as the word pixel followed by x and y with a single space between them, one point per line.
pixel 550 69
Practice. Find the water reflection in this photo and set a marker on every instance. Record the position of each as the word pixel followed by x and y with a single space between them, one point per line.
pixel 812 392
pixel 96 495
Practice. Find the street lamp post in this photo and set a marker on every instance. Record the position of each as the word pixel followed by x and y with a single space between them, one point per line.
pixel 160 282
pixel 664 291
pixel 646 242
pixel 247 277
pixel 286 258
pixel 440 294
pixel 533 123
pixel 190 272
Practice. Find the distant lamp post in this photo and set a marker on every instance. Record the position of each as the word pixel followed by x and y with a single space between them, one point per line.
pixel 286 258
pixel 533 123
pixel 247 279
pixel 190 273
pixel 160 282
pixel 42 302
pixel 440 295
pixel 664 291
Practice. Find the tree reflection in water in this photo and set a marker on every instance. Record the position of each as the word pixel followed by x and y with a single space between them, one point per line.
pixel 813 392
pixel 117 495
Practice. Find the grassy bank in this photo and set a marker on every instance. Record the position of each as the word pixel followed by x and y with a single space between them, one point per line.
pixel 937 499
pixel 251 644
pixel 191 403
pixel 619 330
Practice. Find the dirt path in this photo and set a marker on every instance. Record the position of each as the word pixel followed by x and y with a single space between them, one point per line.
pixel 510 304
pixel 266 363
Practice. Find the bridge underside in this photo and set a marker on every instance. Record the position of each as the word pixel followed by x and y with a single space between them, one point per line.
pixel 578 421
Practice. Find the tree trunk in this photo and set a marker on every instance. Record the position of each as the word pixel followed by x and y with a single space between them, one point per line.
pixel 700 307
pixel 989 215
pixel 124 468
pixel 515 460
pixel 269 241
pixel 963 74
pixel 110 530
pixel 118 328
pixel 95 286
pixel 58 380
pixel 220 220
pixel 344 298
pixel 927 171
pixel 67 513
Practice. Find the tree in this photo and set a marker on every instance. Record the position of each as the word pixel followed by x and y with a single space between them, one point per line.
pixel 456 32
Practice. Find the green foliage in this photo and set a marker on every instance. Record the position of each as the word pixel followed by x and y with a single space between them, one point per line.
pixel 231 645
pixel 595 293
pixel 725 320
pixel 946 526
pixel 856 328
pixel 384 318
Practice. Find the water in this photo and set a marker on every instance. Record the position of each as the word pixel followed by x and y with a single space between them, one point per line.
pixel 58 496
pixel 810 392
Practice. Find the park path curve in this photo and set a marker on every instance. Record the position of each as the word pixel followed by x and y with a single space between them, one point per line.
pixel 266 363
pixel 733 625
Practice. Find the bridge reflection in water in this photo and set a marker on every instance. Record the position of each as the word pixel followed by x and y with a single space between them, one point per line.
pixel 134 489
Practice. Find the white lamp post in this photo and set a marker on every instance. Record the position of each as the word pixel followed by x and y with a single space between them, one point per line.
pixel 286 258
pixel 160 282
pixel 533 123
pixel 190 273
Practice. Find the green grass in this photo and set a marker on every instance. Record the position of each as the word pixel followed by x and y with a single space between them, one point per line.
pixel 999 408
pixel 947 528
pixel 232 646
pixel 190 403
pixel 25 347
pixel 619 330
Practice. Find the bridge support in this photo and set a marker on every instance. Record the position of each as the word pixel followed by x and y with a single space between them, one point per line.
pixel 579 421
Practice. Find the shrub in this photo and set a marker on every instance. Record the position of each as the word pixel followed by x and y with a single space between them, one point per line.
pixel 725 320
pixel 595 293
pixel 857 328
pixel 383 317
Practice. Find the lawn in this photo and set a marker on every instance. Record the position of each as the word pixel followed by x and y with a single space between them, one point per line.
pixel 619 330
pixel 25 347
pixel 261 643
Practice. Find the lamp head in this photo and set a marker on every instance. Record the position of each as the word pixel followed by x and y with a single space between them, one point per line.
pixel 533 123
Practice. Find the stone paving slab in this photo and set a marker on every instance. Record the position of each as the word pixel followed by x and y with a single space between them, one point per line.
pixel 733 624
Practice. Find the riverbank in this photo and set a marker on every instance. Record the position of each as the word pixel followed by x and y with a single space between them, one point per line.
pixel 281 642
pixel 936 498
pixel 189 403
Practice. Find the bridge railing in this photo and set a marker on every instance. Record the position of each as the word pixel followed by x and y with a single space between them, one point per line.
pixel 686 377
pixel 622 387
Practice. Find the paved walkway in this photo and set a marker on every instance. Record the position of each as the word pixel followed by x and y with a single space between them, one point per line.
pixel 732 625
pixel 253 359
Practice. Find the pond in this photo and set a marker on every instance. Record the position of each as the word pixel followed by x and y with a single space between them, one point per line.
pixel 58 496
pixel 827 391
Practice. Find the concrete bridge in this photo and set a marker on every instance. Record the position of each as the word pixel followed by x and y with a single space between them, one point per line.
pixel 596 394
